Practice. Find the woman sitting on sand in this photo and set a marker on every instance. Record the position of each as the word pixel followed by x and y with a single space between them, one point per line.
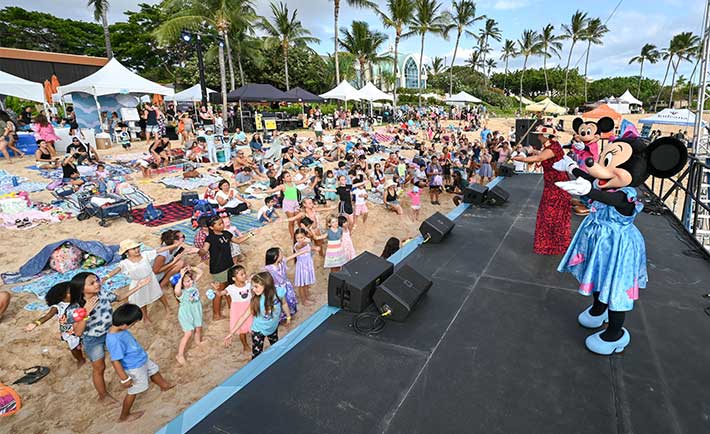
pixel 45 156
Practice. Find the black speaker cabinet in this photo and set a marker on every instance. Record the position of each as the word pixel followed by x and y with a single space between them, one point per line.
pixel 351 288
pixel 522 126
pixel 506 170
pixel 475 194
pixel 497 196
pixel 436 228
pixel 401 292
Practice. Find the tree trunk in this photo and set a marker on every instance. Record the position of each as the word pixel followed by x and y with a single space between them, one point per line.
pixel 544 70
pixel 453 59
pixel 286 67
pixel 520 95
pixel 658 97
pixel 690 83
pixel 419 71
pixel 675 69
pixel 640 79
pixel 107 34
pixel 230 63
pixel 241 70
pixel 569 59
pixel 396 73
pixel 336 11
pixel 505 77
pixel 586 64
pixel 223 82
pixel 362 71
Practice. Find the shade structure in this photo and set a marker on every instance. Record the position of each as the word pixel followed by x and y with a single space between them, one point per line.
pixel 191 94
pixel 303 95
pixel 254 92
pixel 546 106
pixel 523 99
pixel 20 88
pixel 629 99
pixel 603 110
pixel 344 92
pixel 682 117
pixel 462 97
pixel 114 78
pixel 370 92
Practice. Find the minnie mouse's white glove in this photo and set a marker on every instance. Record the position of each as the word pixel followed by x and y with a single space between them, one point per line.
pixel 578 187
pixel 566 164
pixel 579 146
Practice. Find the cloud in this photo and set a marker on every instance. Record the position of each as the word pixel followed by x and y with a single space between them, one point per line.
pixel 508 5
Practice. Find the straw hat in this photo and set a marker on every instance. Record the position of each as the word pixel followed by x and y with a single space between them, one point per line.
pixel 390 183
pixel 127 245
pixel 546 131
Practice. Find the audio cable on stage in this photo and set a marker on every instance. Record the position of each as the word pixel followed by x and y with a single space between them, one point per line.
pixel 370 323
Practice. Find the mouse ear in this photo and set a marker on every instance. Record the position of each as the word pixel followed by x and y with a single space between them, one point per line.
pixel 605 124
pixel 576 123
pixel 666 157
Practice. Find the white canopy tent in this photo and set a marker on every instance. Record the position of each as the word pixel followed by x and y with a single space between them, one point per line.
pixel 524 100
pixel 344 92
pixel 371 93
pixel 191 94
pixel 682 117
pixel 114 78
pixel 11 85
pixel 462 97
pixel 629 99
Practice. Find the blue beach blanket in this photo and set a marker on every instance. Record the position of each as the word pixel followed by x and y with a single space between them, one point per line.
pixel 243 222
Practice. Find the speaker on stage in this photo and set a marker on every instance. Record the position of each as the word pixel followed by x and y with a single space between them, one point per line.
pixel 522 126
pixel 475 194
pixel 497 196
pixel 436 228
pixel 401 292
pixel 506 169
pixel 351 288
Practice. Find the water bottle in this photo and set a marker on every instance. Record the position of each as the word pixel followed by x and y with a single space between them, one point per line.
pixel 15 181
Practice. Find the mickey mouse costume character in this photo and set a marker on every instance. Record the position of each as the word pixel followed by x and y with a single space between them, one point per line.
pixel 608 253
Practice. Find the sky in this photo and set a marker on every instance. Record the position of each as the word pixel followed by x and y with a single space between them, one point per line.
pixel 633 23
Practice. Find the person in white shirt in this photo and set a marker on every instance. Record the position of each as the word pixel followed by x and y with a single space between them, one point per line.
pixel 519 152
pixel 230 199
pixel 267 212
pixel 360 194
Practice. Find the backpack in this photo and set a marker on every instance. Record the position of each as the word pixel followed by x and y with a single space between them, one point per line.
pixel 202 208
pixel 151 213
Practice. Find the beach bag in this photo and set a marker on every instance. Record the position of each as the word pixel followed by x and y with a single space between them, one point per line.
pixel 64 191
pixel 10 402
pixel 151 213
pixel 65 258
pixel 55 184
pixel 189 198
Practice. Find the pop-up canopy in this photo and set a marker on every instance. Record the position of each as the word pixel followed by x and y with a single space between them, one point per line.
pixel 370 92
pixel 303 95
pixel 546 106
pixel 682 117
pixel 191 94
pixel 114 78
pixel 344 92
pixel 604 110
pixel 462 97
pixel 629 99
pixel 20 88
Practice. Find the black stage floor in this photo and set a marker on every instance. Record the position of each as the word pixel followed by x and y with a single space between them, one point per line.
pixel 494 347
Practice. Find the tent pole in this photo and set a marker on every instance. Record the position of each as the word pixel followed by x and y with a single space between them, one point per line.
pixel 98 110
pixel 241 116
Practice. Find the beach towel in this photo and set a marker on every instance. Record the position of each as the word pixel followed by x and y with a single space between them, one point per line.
pixel 189 183
pixel 243 222
pixel 172 212
pixel 96 248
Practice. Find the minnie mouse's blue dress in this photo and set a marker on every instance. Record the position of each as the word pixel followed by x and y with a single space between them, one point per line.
pixel 608 255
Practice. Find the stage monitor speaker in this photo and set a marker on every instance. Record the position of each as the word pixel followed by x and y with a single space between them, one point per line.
pixel 435 228
pixel 401 292
pixel 497 196
pixel 351 288
pixel 506 170
pixel 522 126
pixel 475 194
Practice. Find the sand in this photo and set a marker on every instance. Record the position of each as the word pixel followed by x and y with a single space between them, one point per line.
pixel 65 401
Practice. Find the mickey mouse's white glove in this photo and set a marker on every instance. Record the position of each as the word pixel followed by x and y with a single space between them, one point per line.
pixel 578 187
pixel 579 146
pixel 566 164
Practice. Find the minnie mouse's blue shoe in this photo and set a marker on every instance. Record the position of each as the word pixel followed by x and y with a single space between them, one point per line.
pixel 597 345
pixel 585 319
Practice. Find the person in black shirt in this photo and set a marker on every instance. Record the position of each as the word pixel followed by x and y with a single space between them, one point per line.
pixel 70 174
pixel 83 151
pixel 217 244
pixel 344 192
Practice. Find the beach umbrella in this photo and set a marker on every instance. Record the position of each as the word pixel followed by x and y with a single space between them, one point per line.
pixel 55 83
pixel 157 99
pixel 47 91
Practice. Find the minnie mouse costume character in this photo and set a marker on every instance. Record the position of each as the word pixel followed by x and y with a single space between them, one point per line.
pixel 608 254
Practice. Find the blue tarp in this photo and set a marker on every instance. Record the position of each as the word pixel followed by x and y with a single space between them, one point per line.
pixel 38 262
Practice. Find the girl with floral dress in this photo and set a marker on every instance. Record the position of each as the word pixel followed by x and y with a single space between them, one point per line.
pixel 190 310
pixel 276 266
pixel 334 254
pixel 305 273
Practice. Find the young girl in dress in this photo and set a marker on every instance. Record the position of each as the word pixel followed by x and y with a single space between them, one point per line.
pixel 334 255
pixel 305 272
pixel 329 185
pixel 58 299
pixel 346 240
pixel 190 310
pixel 485 172
pixel 137 266
pixel 265 309
pixel 239 290
pixel 276 266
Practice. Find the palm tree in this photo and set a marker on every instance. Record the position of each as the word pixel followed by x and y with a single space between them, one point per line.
pixel 245 46
pixel 573 31
pixel 399 14
pixel 285 30
pixel 683 46
pixel 347 66
pixel 437 65
pixel 551 46
pixel 464 15
pixel 648 53
pixel 363 44
pixel 697 54
pixel 528 45
pixel 509 51
pixel 101 14
pixel 241 24
pixel 427 19
pixel 489 30
pixel 336 12
pixel 593 34
pixel 474 60
pixel 490 64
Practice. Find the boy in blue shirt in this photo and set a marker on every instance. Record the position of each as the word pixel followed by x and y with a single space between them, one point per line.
pixel 129 359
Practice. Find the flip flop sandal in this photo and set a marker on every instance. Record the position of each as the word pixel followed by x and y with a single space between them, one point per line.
pixel 25 222
pixel 18 223
pixel 33 375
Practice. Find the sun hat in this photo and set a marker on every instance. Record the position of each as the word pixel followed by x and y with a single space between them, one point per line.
pixel 390 183
pixel 546 131
pixel 126 245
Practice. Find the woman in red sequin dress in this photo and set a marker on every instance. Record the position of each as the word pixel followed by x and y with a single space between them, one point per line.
pixel 552 229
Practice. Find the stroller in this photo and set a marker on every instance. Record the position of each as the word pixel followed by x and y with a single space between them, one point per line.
pixel 119 208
